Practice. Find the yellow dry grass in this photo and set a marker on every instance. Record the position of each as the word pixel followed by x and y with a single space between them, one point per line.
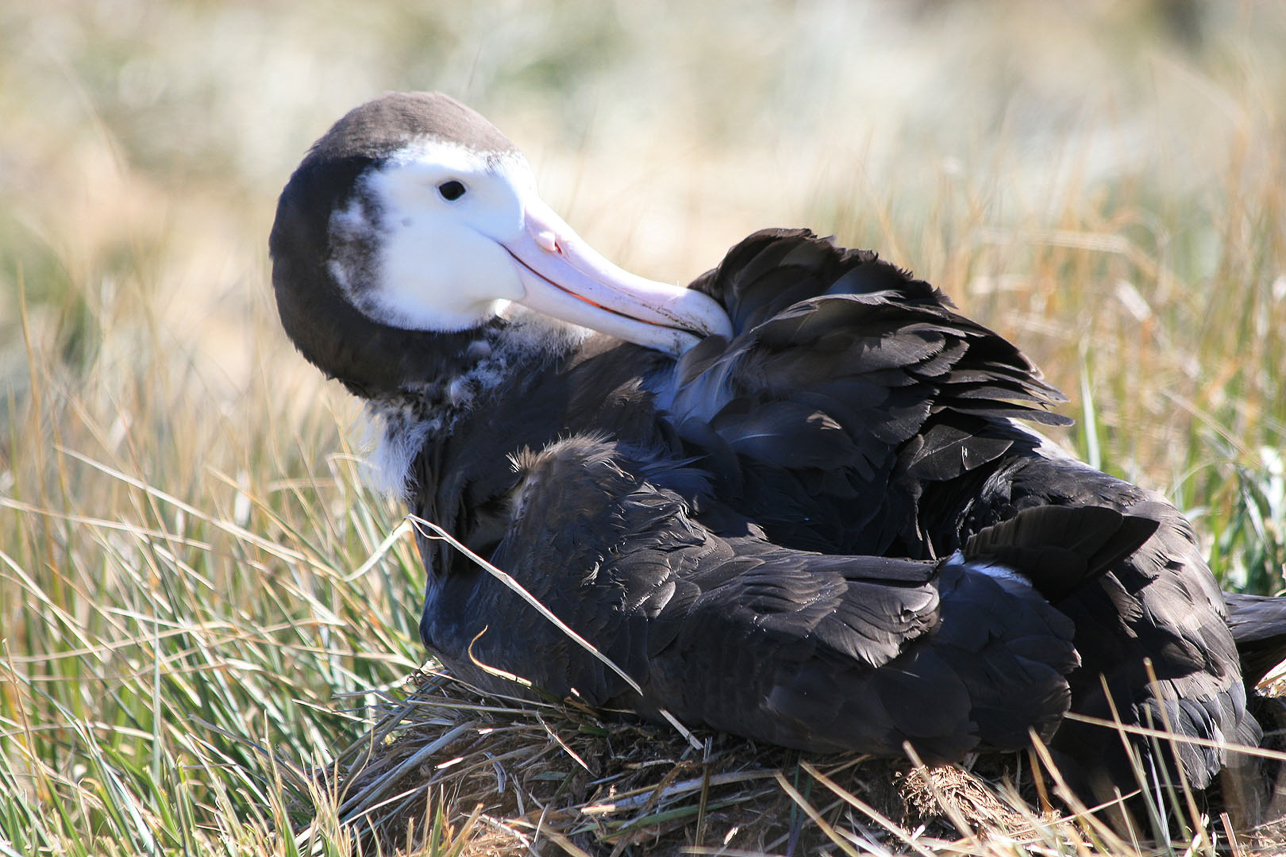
pixel 200 605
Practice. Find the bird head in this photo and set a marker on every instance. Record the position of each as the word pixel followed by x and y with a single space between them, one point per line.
pixel 414 227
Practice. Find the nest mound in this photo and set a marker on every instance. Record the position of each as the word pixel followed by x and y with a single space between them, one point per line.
pixel 479 775
pixel 502 776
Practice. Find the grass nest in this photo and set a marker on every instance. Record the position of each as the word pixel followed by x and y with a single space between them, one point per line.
pixel 448 769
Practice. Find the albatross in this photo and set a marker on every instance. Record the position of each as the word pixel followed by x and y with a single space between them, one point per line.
pixel 795 500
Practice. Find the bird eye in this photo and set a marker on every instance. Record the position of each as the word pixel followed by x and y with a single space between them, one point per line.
pixel 451 190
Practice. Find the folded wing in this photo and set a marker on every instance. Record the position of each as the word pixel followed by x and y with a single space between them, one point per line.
pixel 819 652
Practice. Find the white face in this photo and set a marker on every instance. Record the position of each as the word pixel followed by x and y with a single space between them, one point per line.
pixel 442 238
pixel 444 217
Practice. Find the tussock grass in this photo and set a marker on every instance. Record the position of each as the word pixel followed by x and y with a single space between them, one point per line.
pixel 172 656
pixel 201 607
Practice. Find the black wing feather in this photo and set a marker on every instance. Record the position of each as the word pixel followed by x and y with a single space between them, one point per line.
pixel 853 344
pixel 819 652
pixel 929 400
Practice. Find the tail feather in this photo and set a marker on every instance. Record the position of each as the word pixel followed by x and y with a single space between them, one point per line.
pixel 1061 548
pixel 1259 629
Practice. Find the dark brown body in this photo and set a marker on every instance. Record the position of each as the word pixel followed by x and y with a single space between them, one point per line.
pixel 877 423
pixel 762 531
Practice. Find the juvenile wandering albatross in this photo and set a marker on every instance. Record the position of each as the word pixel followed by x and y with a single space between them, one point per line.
pixel 793 500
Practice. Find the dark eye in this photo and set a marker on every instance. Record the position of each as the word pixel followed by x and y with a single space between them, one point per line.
pixel 451 190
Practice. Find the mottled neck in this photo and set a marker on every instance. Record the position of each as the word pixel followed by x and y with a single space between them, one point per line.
pixel 402 422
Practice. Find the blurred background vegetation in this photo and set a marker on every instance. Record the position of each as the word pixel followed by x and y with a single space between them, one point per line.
pixel 183 537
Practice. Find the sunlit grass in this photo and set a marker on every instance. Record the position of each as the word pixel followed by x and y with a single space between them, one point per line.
pixel 190 617
pixel 171 651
